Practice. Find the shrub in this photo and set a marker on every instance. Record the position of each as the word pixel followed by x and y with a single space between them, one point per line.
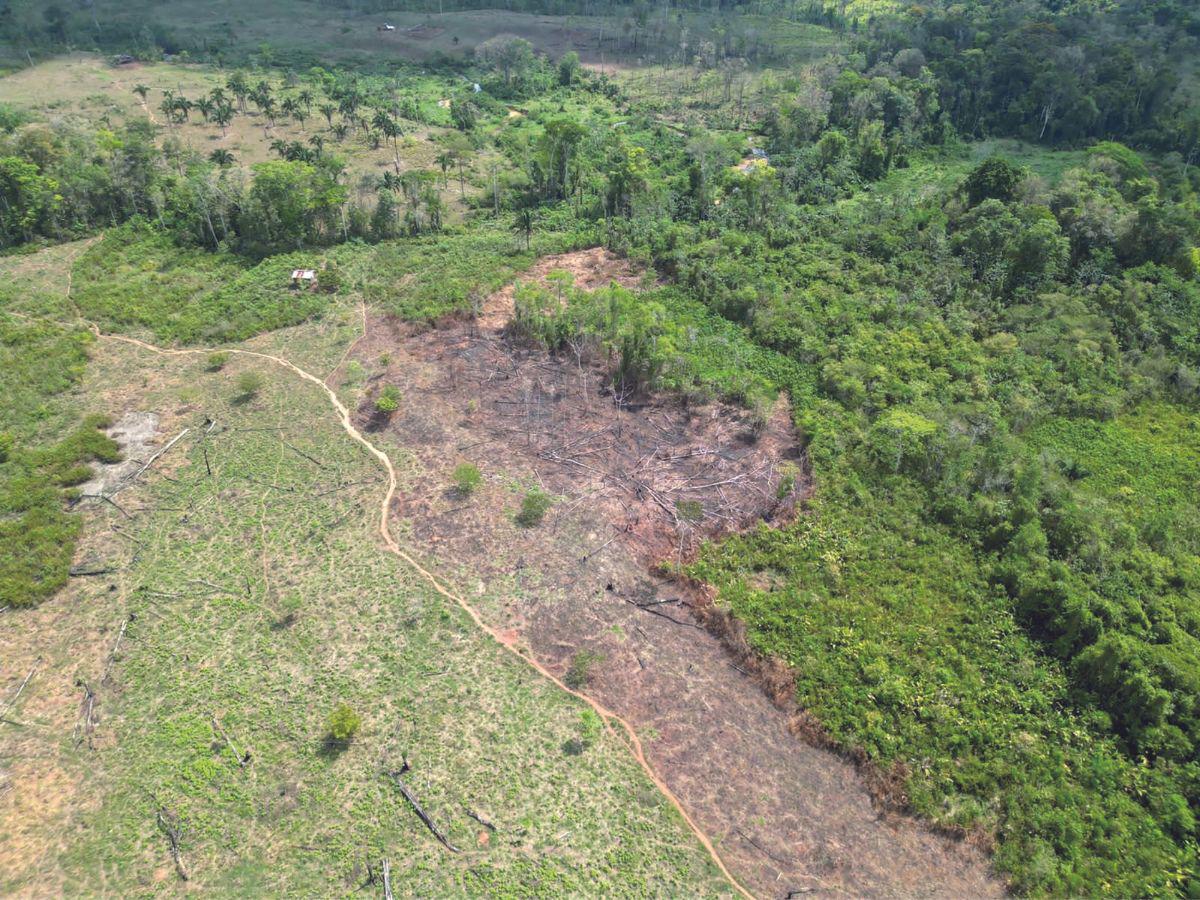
pixel 533 508
pixel 216 361
pixel 388 400
pixel 248 385
pixel 467 478
pixel 787 481
pixel 590 727
pixel 343 723
pixel 581 665
pixel 691 511
pixel 330 278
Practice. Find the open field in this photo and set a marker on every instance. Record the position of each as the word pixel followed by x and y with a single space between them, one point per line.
pixel 275 31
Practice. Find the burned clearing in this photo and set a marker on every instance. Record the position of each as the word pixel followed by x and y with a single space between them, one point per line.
pixel 633 480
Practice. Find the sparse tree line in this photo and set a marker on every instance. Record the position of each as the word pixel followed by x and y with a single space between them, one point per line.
pixel 57 182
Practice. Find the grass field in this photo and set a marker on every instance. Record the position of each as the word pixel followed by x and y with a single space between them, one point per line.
pixel 260 596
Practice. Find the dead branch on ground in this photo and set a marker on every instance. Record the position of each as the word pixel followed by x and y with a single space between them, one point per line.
pixel 112 656
pixel 173 829
pixel 86 725
pixel 242 758
pixel 81 572
pixel 424 816
pixel 12 702
pixel 481 820
pixel 154 457
pixel 658 612
pixel 387 879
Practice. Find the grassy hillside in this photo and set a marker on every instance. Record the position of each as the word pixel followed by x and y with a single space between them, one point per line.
pixel 249 574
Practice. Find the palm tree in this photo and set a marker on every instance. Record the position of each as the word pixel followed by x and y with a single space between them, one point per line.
pixel 141 90
pixel 445 159
pixel 238 85
pixel 328 109
pixel 223 115
pixel 222 158
pixel 339 131
pixel 390 182
pixel 206 107
pixel 306 98
pixel 523 224
pixel 317 142
pixel 393 130
pixel 289 106
pixel 280 146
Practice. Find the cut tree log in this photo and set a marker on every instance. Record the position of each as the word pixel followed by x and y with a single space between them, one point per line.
pixel 242 758
pixel 169 823
pixel 12 702
pixel 415 804
pixel 387 879
pixel 154 457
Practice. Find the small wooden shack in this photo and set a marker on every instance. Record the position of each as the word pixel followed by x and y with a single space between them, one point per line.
pixel 304 278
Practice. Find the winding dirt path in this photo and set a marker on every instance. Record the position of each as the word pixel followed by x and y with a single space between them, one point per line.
pixel 610 718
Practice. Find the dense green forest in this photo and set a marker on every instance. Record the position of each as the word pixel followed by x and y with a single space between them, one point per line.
pixel 964 242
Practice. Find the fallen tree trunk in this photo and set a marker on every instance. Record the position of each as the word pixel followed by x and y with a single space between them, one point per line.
pixel 415 804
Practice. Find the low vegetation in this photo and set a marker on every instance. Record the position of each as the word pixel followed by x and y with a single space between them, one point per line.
pixel 466 479
pixel 44 454
pixel 534 506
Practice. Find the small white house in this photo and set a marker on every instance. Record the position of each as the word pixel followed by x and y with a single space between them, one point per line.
pixel 302 278
pixel 387 27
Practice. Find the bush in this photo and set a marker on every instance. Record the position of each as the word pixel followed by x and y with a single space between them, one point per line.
pixel 467 478
pixel 581 665
pixel 330 278
pixel 388 400
pixel 248 385
pixel 343 723
pixel 590 727
pixel 216 361
pixel 787 481
pixel 533 508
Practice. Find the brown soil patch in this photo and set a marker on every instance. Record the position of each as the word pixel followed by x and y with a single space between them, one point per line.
pixel 637 479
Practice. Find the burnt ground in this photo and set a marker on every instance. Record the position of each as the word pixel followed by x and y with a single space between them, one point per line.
pixel 637 480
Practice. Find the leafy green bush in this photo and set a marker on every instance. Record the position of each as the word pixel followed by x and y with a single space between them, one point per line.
pixel 248 385
pixel 466 478
pixel 344 723
pixel 388 400
pixel 534 506
pixel 788 473
pixel 216 361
